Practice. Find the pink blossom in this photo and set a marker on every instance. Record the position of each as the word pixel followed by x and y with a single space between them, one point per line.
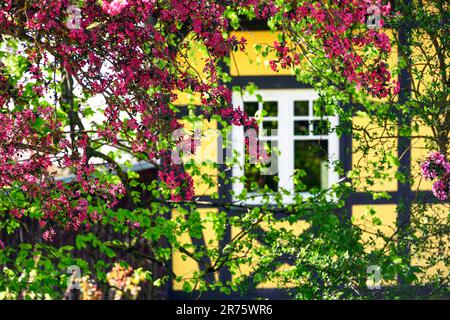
pixel 435 166
pixel 441 190
pixel 114 7
pixel 49 235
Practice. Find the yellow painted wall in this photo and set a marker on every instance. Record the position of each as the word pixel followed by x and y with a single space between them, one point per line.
pixel 250 62
pixel 362 217
pixel 426 80
pixel 183 265
pixel 373 233
pixel 426 65
pixel 377 138
pixel 247 269
pixel 206 155
pixel 192 56
pixel 438 246
pixel 185 98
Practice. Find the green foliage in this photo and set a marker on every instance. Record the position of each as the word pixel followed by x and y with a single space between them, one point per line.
pixel 328 260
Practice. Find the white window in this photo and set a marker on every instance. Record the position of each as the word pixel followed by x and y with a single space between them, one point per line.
pixel 303 138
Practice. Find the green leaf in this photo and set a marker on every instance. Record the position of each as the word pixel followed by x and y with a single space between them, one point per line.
pixel 187 287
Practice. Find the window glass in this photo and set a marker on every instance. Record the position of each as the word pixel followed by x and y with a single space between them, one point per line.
pixel 301 128
pixel 250 108
pixel 321 127
pixel 253 173
pixel 304 137
pixel 269 125
pixel 301 108
pixel 311 156
pixel 271 108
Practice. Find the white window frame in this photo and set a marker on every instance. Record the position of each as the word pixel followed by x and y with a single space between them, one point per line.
pixel 285 137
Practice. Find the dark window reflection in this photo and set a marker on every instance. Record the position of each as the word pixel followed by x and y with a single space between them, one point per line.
pixel 311 156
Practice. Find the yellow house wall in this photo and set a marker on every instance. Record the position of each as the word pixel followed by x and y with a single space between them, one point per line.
pixel 247 269
pixel 372 233
pixel 377 138
pixel 252 63
pixel 206 155
pixel 183 265
pixel 438 246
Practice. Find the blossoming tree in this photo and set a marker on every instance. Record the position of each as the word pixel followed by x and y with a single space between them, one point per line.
pixel 131 53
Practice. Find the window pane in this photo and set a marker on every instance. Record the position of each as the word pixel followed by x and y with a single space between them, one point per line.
pixel 253 174
pixel 301 128
pixel 269 126
pixel 311 156
pixel 271 107
pixel 321 127
pixel 301 108
pixel 251 108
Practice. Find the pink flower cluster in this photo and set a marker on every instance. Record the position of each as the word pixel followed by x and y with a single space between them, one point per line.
pixel 26 160
pixel 328 26
pixel 114 7
pixel 128 51
pixel 179 182
pixel 437 167
pixel 238 118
